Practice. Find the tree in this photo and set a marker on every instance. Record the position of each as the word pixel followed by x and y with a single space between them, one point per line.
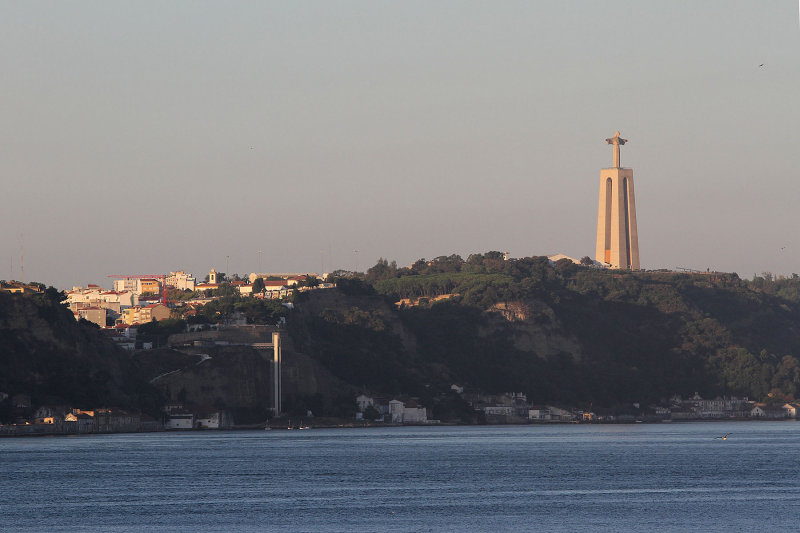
pixel 420 265
pixel 370 413
pixel 226 289
pixel 565 265
pixel 381 270
pixel 586 261
pixel 258 285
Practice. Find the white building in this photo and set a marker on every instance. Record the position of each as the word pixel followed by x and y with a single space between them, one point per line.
pixel 181 280
pixel 540 413
pixel 94 296
pixel 396 411
pixel 211 419
pixel 126 284
pixel 761 410
pixel 363 401
pixel 179 421
pixel 498 410
pixel 243 287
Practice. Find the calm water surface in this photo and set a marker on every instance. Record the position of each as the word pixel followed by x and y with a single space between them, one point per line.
pixel 668 477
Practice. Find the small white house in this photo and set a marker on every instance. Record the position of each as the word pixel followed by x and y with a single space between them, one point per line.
pixel 763 411
pixel 396 408
pixel 363 401
pixel 211 419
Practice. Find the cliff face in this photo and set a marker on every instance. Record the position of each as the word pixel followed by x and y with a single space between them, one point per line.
pixel 232 377
pixel 367 342
pixel 535 328
pixel 560 334
pixel 239 379
pixel 45 353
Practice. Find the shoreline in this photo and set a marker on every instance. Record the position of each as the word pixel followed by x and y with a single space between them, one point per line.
pixel 38 430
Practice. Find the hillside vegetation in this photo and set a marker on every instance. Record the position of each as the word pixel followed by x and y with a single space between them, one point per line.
pixel 46 354
pixel 560 333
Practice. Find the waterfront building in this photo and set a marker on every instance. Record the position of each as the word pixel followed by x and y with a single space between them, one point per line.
pixel 791 409
pixel 179 420
pixel 395 411
pixel 539 412
pixel 363 401
pixel 762 410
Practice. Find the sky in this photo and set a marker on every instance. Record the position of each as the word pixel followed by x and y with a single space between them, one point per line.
pixel 147 137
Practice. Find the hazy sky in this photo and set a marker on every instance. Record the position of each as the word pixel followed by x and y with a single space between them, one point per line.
pixel 144 137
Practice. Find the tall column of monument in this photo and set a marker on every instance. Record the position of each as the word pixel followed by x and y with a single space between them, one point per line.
pixel 617 237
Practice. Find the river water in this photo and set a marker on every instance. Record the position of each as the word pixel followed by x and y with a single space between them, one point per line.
pixel 659 477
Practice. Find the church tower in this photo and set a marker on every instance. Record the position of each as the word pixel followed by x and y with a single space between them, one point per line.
pixel 617 238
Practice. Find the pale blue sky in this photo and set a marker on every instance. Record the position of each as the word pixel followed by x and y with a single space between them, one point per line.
pixel 143 137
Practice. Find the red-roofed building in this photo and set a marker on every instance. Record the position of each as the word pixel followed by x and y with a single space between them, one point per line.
pixel 243 287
